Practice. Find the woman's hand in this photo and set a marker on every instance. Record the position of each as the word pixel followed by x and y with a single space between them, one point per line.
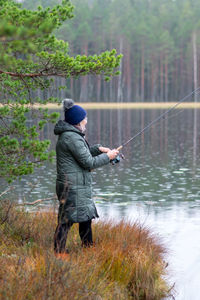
pixel 112 153
pixel 104 149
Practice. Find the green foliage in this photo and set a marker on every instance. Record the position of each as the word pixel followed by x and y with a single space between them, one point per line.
pixel 30 58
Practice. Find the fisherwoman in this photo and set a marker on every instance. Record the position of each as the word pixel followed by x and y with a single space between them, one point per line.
pixel 75 160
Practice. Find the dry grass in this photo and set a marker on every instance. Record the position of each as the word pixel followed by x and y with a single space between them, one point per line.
pixel 127 105
pixel 125 263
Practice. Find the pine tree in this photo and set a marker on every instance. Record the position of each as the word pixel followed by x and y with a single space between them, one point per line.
pixel 30 58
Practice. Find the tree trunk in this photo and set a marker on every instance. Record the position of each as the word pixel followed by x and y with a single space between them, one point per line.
pixel 166 78
pixel 98 88
pixel 152 80
pixel 154 77
pixel 161 78
pixel 72 87
pixel 128 73
pixel 84 80
pixel 142 73
pixel 194 44
pixel 181 75
pixel 119 90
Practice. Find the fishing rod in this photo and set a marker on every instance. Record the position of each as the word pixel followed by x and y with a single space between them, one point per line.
pixel 117 159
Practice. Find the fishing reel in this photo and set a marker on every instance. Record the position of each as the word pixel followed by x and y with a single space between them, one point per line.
pixel 117 159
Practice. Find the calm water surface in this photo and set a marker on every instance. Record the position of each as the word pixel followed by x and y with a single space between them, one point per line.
pixel 157 183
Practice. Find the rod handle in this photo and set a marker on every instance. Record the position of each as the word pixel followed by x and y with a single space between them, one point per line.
pixel 119 148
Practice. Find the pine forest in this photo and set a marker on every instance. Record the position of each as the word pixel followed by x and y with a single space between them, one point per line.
pixel 159 40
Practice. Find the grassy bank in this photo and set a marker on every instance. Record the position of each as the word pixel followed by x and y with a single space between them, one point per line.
pixel 125 263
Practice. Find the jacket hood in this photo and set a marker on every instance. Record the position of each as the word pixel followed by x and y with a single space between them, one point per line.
pixel 63 126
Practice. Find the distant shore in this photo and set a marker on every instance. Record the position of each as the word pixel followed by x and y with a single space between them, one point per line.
pixel 127 105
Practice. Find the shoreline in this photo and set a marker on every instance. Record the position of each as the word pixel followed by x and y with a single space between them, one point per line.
pixel 126 261
pixel 126 105
pixel 120 105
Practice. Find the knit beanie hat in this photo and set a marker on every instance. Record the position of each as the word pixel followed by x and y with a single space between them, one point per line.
pixel 74 114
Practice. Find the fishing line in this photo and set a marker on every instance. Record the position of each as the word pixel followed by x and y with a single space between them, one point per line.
pixel 175 114
pixel 138 143
pixel 162 116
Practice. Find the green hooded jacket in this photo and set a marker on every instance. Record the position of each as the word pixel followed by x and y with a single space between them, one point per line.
pixel 75 160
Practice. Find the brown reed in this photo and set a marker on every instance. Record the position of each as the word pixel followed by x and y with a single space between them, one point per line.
pixel 126 261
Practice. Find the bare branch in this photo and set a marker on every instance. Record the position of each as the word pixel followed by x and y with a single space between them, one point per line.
pixel 6 191
pixel 38 201
pixel 31 75
pixel 41 74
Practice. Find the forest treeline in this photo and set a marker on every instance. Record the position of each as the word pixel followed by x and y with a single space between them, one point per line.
pixel 159 40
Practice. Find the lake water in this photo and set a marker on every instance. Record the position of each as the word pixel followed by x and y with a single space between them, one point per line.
pixel 156 184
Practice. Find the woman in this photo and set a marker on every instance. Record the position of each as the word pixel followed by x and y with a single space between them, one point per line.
pixel 75 160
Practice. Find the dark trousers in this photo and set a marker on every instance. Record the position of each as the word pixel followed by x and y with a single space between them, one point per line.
pixel 60 237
